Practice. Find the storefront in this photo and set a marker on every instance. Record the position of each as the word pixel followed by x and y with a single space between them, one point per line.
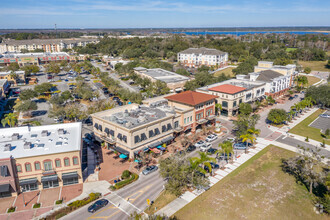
pixel 28 184
pixel 5 190
pixel 49 181
pixel 70 178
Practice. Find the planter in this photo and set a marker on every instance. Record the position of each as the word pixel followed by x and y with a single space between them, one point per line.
pixel 36 205
pixel 11 209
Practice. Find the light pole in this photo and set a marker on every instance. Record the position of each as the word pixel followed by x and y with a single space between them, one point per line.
pixel 23 196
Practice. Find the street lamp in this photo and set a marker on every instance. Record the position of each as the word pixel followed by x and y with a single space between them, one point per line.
pixel 23 196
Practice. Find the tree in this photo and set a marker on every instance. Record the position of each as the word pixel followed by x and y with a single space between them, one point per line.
pixel 248 137
pixel 43 88
pixel 328 64
pixel 245 108
pixel 246 67
pixel 30 69
pixel 9 119
pixel 226 148
pixel 53 68
pixel 277 116
pixel 66 95
pixel 218 108
pixel 307 70
pixel 301 81
pixel 320 94
pixel 27 94
pixel 26 106
pixel 182 71
pixel 13 67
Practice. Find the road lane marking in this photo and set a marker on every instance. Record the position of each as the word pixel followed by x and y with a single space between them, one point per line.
pixel 140 193
pixel 94 215
pixel 115 213
pixel 119 208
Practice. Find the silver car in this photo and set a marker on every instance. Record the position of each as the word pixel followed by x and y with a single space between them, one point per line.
pixel 149 170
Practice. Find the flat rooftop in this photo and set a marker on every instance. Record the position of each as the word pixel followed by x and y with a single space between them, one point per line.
pixel 234 82
pixel 20 142
pixel 9 72
pixel 133 115
pixel 163 75
pixel 46 54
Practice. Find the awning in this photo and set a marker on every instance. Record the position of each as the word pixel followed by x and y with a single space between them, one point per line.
pixel 167 139
pixel 70 175
pixel 120 150
pixel 155 150
pixel 28 181
pixel 4 188
pixel 211 117
pixel 161 148
pixel 154 144
pixel 123 156
pixel 202 121
pixel 49 178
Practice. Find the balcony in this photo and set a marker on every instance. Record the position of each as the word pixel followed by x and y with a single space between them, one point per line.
pixel 202 121
pixel 110 140
pixel 211 117
pixel 178 129
pixel 48 172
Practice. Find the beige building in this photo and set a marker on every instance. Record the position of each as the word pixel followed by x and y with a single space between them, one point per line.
pixel 233 92
pixel 133 128
pixel 18 78
pixel 42 157
pixel 175 82
pixel 47 45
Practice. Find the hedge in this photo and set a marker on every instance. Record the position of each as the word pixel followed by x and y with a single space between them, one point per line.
pixel 37 205
pixel 11 209
pixel 58 202
pixel 123 183
pixel 79 203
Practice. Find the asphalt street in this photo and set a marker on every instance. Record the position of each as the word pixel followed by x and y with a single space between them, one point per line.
pixel 126 201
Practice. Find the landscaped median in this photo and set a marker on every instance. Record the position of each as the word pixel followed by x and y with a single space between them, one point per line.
pixel 126 178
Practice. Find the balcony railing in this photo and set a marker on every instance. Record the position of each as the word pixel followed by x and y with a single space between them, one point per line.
pixel 48 172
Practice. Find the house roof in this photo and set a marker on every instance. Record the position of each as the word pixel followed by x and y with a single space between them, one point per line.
pixel 227 88
pixel 191 97
pixel 268 75
pixel 203 50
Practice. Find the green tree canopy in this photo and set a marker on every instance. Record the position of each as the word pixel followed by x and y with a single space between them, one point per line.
pixel 246 67
pixel 27 94
pixel 277 116
pixel 43 87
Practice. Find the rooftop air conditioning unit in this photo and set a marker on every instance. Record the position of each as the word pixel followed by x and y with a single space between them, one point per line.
pixel 44 133
pixel 61 131
pixel 7 147
pixel 27 145
pixel 15 137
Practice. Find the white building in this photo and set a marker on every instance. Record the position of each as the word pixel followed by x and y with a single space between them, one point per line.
pixel 195 57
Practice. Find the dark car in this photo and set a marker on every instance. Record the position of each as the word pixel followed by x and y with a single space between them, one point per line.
pixel 214 165
pixel 131 83
pixel 97 205
pixel 116 98
pixel 211 151
pixel 120 103
pixel 149 170
pixel 224 156
pixel 105 92
pixel 191 148
pixel 105 89
pixel 291 98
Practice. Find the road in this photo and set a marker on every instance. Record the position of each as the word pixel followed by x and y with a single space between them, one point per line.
pixel 116 77
pixel 122 203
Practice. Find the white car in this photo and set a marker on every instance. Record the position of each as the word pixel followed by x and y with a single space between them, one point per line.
pixel 211 137
pixel 230 139
pixel 200 143
pixel 205 147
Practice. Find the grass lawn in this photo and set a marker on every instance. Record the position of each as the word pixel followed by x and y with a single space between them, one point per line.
pixel 315 65
pixel 258 189
pixel 163 199
pixel 290 49
pixel 304 130
pixel 228 71
pixel 312 80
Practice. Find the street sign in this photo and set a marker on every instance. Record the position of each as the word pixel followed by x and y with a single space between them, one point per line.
pixel 148 201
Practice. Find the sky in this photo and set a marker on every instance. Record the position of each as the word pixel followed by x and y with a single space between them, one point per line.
pixel 162 13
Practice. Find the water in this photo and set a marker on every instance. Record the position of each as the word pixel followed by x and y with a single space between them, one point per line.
pixel 239 33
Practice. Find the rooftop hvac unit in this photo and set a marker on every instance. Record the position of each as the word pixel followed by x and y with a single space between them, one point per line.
pixel 44 133
pixel 61 131
pixel 15 137
pixel 27 145
pixel 7 147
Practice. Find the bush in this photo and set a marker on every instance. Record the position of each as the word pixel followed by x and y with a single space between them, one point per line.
pixel 60 215
pixel 307 70
pixel 58 202
pixel 80 203
pixel 11 209
pixel 307 139
pixel 126 174
pixel 37 205
pixel 123 183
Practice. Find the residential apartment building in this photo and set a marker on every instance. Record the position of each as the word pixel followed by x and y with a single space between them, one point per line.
pixel 47 45
pixel 41 157
pixel 175 82
pixel 196 57
pixel 4 88
pixel 132 128
pixel 16 78
pixel 231 93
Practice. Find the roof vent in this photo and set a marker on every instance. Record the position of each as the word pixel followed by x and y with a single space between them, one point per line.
pixel 44 133
pixel 15 137
pixel 59 143
pixel 7 147
pixel 27 145
pixel 61 131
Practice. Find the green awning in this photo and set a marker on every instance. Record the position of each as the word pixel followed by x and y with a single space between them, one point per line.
pixel 49 178
pixel 28 181
pixel 4 188
pixel 69 175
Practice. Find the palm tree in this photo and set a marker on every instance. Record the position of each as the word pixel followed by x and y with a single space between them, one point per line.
pixel 204 160
pixel 291 114
pixel 218 108
pixel 226 148
pixel 195 166
pixel 248 137
pixel 10 119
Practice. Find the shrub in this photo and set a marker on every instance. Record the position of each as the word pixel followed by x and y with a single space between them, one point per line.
pixel 60 215
pixel 126 174
pixel 307 70
pixel 37 205
pixel 125 182
pixel 307 139
pixel 80 203
pixel 58 202
pixel 11 209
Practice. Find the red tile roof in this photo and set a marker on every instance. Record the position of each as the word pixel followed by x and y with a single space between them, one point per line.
pixel 227 88
pixel 191 97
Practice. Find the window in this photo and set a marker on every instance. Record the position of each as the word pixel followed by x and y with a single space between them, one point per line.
pixel 190 118
pixel 185 121
pixel 75 161
pixel 240 101
pixel 176 124
pixel 48 165
pixel 28 167
pixel 66 162
pixel 4 171
pixel 235 103
pixel 19 168
pixel 37 166
pixel 224 104
pixel 58 163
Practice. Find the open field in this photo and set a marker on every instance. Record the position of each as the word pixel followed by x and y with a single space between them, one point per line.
pixel 258 189
pixel 312 80
pixel 304 130
pixel 228 71
pixel 315 65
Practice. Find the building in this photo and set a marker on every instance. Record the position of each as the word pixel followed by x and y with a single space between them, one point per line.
pixel 112 61
pixel 196 57
pixel 36 158
pixel 288 70
pixel 47 45
pixel 132 128
pixel 23 59
pixel 4 88
pixel 16 78
pixel 175 82
pixel 233 92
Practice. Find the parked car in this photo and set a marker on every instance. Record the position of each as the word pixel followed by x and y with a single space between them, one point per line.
pixel 211 151
pixel 211 137
pixel 131 83
pixel 291 98
pixel 224 156
pixel 120 103
pixel 191 148
pixel 105 89
pixel 214 165
pixel 324 116
pixel 105 92
pixel 230 139
pixel 98 205
pixel 149 170
pixel 239 146
pixel 205 147
pixel 115 98
pixel 200 143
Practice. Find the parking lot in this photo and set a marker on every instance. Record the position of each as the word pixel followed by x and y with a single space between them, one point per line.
pixel 322 123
